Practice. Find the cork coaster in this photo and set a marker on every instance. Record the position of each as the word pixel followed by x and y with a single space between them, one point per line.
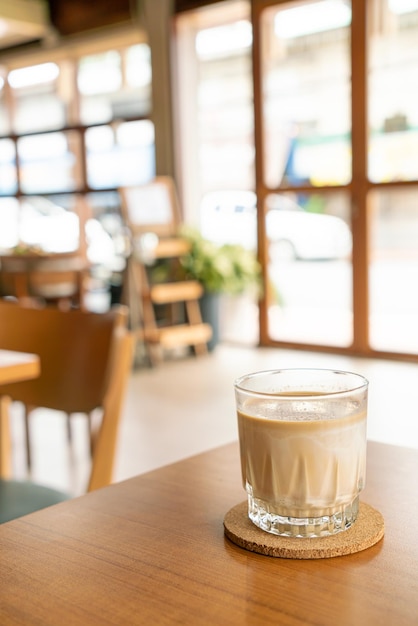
pixel 367 530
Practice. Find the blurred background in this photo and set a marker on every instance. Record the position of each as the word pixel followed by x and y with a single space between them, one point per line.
pixel 289 127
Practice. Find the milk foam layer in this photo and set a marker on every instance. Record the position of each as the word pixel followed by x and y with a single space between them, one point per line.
pixel 304 467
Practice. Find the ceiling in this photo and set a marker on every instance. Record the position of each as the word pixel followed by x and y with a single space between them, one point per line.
pixel 23 21
pixel 27 21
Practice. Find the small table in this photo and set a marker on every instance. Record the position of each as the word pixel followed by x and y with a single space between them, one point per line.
pixel 50 275
pixel 151 550
pixel 14 367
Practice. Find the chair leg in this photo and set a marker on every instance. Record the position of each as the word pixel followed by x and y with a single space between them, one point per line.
pixel 5 440
pixel 27 411
pixel 69 433
pixel 91 433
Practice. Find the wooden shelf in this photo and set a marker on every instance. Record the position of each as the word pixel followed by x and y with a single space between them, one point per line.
pixel 181 291
pixel 181 335
pixel 179 322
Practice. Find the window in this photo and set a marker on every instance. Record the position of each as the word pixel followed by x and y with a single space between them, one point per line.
pixel 114 85
pixel 48 163
pixel 335 143
pixel 75 125
pixel 121 155
pixel 8 173
pixel 305 96
pixel 38 104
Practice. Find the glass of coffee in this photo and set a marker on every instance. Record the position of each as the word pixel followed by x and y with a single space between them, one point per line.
pixel 302 436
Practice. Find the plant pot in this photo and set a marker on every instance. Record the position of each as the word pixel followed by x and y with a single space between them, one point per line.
pixel 209 306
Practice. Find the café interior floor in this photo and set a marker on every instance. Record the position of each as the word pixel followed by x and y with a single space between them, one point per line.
pixel 186 405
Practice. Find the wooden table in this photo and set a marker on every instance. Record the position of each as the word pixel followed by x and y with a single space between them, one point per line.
pixel 14 367
pixel 59 276
pixel 151 550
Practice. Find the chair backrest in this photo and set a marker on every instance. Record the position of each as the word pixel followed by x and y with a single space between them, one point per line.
pixel 86 360
pixel 75 348
pixel 105 445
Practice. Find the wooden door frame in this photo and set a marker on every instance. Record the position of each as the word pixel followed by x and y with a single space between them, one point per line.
pixel 358 189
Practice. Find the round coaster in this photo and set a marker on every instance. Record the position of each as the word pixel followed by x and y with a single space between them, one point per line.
pixel 367 530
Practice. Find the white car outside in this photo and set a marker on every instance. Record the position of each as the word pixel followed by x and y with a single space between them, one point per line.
pixel 231 217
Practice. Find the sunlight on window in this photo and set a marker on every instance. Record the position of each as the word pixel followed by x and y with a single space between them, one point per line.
pixel 42 146
pixel 47 163
pixel 124 158
pixel 100 139
pixel 100 73
pixel 138 66
pixel 312 18
pixel 8 176
pixel 9 223
pixel 136 134
pixel 223 40
pixel 33 75
pixel 403 6
pixel 7 151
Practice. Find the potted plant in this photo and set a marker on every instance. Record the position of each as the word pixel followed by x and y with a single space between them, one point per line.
pixel 227 269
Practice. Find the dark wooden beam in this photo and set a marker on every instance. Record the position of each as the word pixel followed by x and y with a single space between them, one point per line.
pixel 70 17
pixel 187 5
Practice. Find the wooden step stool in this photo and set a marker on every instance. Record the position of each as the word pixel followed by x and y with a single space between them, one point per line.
pixel 157 241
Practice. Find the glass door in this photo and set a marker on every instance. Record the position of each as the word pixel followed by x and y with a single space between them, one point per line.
pixel 393 172
pixel 215 112
pixel 327 189
pixel 304 147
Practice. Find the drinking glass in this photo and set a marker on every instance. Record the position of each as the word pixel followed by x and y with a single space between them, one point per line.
pixel 302 436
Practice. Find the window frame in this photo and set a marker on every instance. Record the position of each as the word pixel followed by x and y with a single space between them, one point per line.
pixel 119 39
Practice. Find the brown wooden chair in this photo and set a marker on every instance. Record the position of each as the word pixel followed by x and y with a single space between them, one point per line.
pixel 85 364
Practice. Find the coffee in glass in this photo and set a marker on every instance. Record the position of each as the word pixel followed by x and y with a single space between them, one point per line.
pixel 303 449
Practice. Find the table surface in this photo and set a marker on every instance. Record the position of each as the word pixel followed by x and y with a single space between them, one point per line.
pixel 16 366
pixel 151 550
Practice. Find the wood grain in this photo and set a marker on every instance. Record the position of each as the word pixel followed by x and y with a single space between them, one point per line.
pixel 152 550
